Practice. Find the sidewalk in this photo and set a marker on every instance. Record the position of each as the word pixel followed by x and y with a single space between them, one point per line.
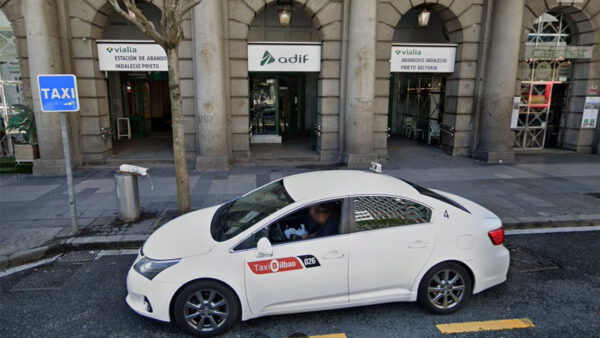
pixel 538 190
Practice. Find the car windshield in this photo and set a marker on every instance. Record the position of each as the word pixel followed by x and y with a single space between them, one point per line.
pixel 234 217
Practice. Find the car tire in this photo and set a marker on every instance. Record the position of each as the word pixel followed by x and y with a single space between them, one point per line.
pixel 445 288
pixel 206 308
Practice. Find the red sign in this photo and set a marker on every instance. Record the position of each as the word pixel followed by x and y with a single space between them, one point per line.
pixel 275 265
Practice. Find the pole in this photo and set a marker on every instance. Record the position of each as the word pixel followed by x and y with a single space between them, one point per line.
pixel 67 151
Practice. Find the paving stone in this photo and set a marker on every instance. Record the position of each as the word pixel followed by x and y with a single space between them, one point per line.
pixel 24 193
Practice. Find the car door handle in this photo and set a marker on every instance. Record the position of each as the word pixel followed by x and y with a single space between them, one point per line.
pixel 418 245
pixel 333 255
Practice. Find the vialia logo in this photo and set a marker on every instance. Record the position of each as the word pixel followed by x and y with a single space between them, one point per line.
pixel 127 49
pixel 268 58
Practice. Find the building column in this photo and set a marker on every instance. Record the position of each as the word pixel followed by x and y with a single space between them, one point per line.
pixel 44 46
pixel 210 78
pixel 360 83
pixel 494 139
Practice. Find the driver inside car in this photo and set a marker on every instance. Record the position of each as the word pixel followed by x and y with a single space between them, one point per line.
pixel 325 223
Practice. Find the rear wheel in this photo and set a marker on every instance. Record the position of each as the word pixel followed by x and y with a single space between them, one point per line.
pixel 445 288
pixel 206 308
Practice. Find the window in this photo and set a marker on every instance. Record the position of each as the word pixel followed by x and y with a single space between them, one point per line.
pixel 378 212
pixel 318 220
pixel 234 217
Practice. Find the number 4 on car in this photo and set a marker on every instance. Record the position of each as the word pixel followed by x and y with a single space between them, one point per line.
pixel 355 238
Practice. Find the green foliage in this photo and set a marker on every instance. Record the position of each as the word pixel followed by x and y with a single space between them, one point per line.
pixel 23 120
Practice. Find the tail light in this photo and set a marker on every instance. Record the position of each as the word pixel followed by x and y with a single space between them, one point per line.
pixel 497 236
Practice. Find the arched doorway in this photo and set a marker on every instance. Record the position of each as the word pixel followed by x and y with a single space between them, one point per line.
pixel 283 88
pixel 432 75
pixel 138 93
pixel 417 92
pixel 553 76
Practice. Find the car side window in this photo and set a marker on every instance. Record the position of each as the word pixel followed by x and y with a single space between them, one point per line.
pixel 378 212
pixel 318 220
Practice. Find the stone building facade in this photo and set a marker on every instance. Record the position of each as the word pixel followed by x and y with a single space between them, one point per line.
pixel 350 106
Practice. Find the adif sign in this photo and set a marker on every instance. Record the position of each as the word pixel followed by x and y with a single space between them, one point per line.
pixel 284 58
pixel 422 59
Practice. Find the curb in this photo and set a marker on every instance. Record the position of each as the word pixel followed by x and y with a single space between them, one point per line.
pixel 120 242
pixel 547 222
pixel 117 242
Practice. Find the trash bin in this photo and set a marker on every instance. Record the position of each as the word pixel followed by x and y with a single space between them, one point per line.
pixel 128 196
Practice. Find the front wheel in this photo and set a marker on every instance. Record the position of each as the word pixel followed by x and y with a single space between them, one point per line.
pixel 206 308
pixel 445 288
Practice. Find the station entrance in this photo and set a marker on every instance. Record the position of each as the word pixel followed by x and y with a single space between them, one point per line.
pixel 417 106
pixel 136 73
pixel 278 108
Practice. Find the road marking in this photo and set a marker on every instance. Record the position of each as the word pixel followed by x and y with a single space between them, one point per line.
pixel 491 325
pixel 333 335
pixel 552 230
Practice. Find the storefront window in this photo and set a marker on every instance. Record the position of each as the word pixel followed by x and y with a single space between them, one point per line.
pixel 10 80
pixel 550 29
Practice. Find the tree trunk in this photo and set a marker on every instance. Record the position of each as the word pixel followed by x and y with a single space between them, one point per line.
pixel 181 171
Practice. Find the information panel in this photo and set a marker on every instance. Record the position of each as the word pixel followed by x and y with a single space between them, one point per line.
pixel 131 57
pixel 590 112
pixel 423 59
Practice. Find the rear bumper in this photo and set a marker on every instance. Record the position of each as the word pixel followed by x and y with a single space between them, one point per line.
pixel 158 294
pixel 490 270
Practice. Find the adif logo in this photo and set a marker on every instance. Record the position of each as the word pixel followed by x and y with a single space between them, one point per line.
pixel 267 58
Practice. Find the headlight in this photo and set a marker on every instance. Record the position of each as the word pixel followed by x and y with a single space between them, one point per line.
pixel 149 268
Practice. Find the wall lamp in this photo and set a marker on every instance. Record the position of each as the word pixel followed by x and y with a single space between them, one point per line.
pixel 424 17
pixel 285 12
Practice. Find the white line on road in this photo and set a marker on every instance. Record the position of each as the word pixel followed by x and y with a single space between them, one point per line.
pixel 552 230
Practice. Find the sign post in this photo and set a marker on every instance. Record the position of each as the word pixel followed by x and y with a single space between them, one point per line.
pixel 58 94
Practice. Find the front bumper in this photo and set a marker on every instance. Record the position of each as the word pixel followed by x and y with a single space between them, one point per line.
pixel 158 294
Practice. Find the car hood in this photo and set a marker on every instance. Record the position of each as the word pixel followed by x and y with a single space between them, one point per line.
pixel 184 236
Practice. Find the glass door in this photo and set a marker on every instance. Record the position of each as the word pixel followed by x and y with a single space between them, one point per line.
pixel 291 107
pixel 417 106
pixel 264 105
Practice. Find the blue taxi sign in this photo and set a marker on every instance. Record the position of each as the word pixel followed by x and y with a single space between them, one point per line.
pixel 58 92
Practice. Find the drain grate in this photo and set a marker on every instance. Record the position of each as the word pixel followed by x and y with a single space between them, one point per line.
pixel 77 257
pixel 525 260
pixel 49 277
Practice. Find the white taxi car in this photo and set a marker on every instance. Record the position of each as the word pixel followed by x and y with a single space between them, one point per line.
pixel 316 241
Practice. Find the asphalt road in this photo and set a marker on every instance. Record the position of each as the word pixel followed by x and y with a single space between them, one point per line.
pixel 560 302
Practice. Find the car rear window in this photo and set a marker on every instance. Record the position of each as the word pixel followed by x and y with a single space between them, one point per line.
pixel 433 194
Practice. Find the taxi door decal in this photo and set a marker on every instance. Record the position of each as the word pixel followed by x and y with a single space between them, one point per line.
pixel 283 264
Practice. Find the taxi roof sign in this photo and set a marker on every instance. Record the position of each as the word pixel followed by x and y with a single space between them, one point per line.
pixel 58 92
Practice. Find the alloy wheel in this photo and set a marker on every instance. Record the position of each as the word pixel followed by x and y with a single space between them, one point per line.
pixel 446 289
pixel 206 310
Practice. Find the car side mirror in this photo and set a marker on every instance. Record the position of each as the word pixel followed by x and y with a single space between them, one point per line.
pixel 264 248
